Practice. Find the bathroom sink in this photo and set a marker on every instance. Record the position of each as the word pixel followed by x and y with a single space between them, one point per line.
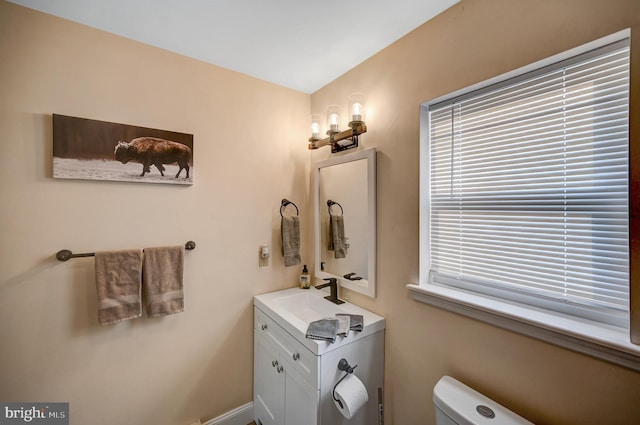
pixel 307 306
pixel 295 308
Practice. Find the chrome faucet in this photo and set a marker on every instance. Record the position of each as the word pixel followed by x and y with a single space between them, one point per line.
pixel 333 283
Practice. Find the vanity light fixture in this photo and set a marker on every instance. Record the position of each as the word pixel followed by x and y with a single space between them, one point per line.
pixel 340 140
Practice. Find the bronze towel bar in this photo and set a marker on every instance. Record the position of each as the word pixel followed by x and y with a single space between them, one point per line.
pixel 65 254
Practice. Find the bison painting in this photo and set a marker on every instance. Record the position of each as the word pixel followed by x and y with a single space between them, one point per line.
pixel 154 151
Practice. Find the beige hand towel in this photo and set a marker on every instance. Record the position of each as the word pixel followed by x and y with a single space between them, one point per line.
pixel 118 281
pixel 162 277
pixel 290 228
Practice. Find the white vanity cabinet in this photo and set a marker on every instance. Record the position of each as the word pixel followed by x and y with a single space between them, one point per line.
pixel 282 395
pixel 294 376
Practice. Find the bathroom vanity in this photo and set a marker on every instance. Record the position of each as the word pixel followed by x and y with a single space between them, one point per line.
pixel 294 376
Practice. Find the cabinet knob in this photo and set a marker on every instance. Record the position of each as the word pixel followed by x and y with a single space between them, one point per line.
pixel 274 363
pixel 263 326
pixel 280 369
pixel 296 356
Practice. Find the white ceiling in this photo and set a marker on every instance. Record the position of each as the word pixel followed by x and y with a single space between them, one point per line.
pixel 301 44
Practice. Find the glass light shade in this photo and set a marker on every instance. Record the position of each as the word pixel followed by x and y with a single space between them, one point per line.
pixel 315 126
pixel 356 107
pixel 333 118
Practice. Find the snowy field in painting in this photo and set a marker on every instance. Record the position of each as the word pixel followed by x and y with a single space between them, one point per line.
pixel 98 169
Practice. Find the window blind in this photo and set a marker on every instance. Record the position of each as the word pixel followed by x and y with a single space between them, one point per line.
pixel 529 188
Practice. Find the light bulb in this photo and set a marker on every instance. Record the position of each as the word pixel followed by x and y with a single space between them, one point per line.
pixel 333 119
pixel 356 107
pixel 333 122
pixel 356 112
pixel 315 126
pixel 315 130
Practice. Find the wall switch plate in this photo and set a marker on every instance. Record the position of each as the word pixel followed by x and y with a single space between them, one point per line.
pixel 263 255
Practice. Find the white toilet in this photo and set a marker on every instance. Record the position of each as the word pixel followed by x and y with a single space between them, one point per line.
pixel 457 404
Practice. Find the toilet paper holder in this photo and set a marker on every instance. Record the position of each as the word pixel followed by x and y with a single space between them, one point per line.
pixel 344 366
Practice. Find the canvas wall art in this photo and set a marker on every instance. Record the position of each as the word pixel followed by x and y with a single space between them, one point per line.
pixel 99 150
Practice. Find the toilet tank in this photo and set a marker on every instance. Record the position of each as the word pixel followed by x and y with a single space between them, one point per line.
pixel 457 404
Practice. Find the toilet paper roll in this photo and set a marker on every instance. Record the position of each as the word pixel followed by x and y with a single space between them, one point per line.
pixel 352 394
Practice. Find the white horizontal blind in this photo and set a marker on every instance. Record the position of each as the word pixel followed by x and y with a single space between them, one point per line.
pixel 529 187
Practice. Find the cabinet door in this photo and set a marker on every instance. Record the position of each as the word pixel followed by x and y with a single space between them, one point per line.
pixel 268 385
pixel 301 399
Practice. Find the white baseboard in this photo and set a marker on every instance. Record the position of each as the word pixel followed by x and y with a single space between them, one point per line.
pixel 242 415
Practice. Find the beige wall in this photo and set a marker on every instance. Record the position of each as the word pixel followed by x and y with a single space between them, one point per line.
pixel 473 41
pixel 250 152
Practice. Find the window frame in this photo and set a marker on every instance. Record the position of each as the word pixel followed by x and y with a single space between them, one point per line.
pixel 599 340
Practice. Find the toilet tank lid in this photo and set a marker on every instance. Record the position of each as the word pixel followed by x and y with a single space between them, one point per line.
pixel 461 403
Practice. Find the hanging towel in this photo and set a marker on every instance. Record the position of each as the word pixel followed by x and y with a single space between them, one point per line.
pixel 336 236
pixel 330 238
pixel 324 329
pixel 118 282
pixel 290 228
pixel 162 276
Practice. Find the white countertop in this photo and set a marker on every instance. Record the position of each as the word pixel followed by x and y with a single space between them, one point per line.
pixel 276 306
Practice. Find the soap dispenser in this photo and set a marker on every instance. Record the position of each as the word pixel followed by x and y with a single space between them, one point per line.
pixel 305 282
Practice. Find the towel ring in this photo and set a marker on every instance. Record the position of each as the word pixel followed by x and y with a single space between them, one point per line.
pixel 284 204
pixel 331 203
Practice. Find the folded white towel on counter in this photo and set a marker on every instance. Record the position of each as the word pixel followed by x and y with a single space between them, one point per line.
pixel 344 323
pixel 355 322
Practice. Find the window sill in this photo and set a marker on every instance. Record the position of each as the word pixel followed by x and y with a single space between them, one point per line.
pixel 601 341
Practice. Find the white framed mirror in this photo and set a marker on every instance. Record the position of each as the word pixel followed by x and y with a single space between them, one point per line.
pixel 348 253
